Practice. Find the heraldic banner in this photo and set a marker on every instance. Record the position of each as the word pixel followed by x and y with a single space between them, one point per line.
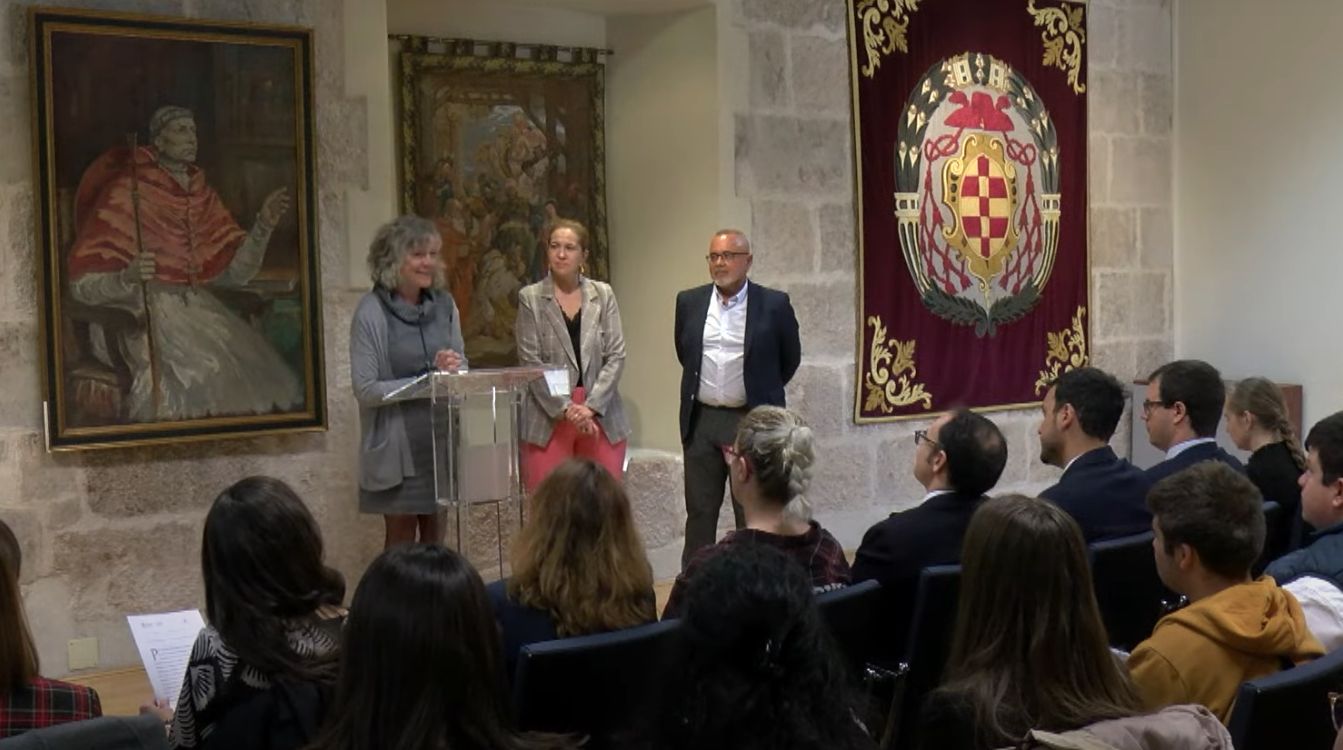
pixel 970 122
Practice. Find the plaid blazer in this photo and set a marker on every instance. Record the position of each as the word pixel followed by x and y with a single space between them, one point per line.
pixel 543 340
pixel 45 703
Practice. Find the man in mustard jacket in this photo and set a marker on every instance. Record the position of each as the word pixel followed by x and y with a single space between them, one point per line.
pixel 1209 525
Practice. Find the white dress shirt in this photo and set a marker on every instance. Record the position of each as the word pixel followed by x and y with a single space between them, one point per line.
pixel 1179 448
pixel 1322 605
pixel 721 367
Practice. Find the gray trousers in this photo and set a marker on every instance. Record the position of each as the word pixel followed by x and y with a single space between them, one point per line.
pixel 706 476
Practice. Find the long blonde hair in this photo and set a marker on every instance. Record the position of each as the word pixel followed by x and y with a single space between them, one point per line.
pixel 580 557
pixel 1264 401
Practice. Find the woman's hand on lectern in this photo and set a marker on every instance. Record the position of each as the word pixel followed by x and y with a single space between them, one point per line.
pixel 447 359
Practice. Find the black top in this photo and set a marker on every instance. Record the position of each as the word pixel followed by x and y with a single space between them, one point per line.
pixel 575 326
pixel 519 624
pixel 895 551
pixel 1105 494
pixel 1273 471
pixel 946 722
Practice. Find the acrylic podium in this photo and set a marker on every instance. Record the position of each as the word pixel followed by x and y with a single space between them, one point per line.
pixel 475 422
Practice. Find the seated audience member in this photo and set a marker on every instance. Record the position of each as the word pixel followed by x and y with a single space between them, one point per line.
pixel 1314 574
pixel 958 459
pixel 420 665
pixel 769 466
pixel 27 699
pixel 578 564
pixel 274 613
pixel 1026 591
pixel 1256 420
pixel 753 666
pixel 1105 494
pixel 1184 404
pixel 1209 532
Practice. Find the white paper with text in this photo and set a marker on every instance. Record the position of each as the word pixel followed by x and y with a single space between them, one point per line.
pixel 165 642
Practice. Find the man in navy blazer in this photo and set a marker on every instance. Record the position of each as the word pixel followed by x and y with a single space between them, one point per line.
pixel 1105 494
pixel 957 460
pixel 738 346
pixel 1184 403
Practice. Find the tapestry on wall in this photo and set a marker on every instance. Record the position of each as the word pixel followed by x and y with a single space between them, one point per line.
pixel 497 141
pixel 175 181
pixel 970 122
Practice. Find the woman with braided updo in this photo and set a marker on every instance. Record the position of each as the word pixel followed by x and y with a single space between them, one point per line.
pixel 1256 420
pixel 769 468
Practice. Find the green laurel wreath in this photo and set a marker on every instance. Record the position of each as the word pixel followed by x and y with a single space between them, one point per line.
pixel 962 312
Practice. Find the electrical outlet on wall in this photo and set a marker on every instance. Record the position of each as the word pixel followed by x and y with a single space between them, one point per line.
pixel 83 653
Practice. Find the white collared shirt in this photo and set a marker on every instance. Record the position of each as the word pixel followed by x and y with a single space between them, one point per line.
pixel 1179 448
pixel 721 368
pixel 1322 605
pixel 934 493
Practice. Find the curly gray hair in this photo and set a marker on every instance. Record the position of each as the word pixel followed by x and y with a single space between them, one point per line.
pixel 393 242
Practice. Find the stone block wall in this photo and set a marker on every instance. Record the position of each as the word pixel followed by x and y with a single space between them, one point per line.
pixel 116 532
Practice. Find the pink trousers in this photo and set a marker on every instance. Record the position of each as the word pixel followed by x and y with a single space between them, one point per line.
pixel 565 442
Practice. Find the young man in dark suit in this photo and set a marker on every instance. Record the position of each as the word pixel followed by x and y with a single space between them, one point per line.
pixel 1105 494
pixel 738 346
pixel 957 460
pixel 1184 403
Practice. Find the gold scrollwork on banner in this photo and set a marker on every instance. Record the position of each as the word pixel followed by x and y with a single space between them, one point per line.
pixel 1064 38
pixel 1067 350
pixel 884 23
pixel 890 380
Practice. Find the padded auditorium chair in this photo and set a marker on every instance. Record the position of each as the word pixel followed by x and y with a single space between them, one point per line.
pixel 929 646
pixel 1289 709
pixel 143 732
pixel 854 616
pixel 1128 589
pixel 597 685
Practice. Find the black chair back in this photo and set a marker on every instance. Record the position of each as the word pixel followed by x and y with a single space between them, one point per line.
pixel 1289 708
pixel 143 732
pixel 598 685
pixel 929 644
pixel 1277 527
pixel 851 614
pixel 1128 589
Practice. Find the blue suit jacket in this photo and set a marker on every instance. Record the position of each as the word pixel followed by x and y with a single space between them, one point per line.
pixel 1105 494
pixel 1197 454
pixel 773 347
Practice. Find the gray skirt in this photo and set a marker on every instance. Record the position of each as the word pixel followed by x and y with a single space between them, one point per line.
pixel 415 494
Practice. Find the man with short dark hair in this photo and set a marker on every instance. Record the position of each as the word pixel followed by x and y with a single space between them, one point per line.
pixel 1209 526
pixel 1314 573
pixel 1184 403
pixel 957 460
pixel 1104 493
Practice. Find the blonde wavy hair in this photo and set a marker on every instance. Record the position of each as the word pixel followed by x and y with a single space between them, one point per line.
pixel 579 557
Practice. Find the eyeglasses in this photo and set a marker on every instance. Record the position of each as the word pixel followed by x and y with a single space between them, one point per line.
pixel 1149 405
pixel 1336 710
pixel 725 257
pixel 921 436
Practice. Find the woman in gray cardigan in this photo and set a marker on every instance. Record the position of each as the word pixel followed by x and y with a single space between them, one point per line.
pixel 406 326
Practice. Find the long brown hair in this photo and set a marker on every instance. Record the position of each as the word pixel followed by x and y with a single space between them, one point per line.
pixel 18 655
pixel 580 557
pixel 1030 651
pixel 1263 399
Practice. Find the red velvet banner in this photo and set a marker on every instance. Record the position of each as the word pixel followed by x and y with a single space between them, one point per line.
pixel 970 121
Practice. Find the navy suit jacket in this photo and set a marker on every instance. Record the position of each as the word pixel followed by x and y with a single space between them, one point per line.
pixel 773 348
pixel 1197 454
pixel 1105 494
pixel 896 550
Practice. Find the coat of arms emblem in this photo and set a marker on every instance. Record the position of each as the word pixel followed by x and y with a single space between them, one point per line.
pixel 977 192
